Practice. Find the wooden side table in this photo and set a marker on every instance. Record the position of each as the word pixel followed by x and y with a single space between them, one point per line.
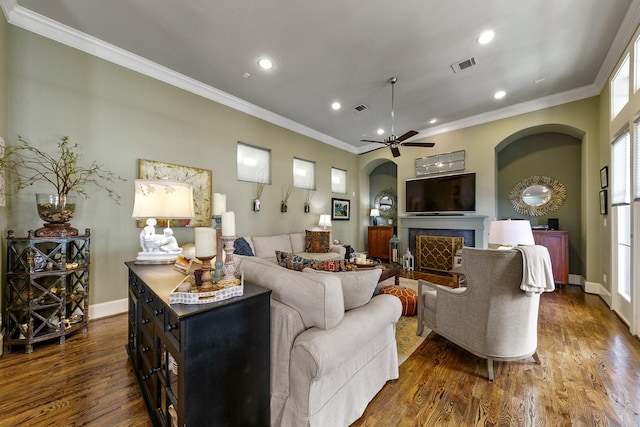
pixel 390 271
pixel 458 276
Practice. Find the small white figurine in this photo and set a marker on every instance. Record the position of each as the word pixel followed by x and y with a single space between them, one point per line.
pixel 170 244
pixel 147 236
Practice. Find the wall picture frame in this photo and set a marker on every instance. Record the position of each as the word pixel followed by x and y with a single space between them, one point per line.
pixel 604 177
pixel 603 202
pixel 340 209
pixel 200 179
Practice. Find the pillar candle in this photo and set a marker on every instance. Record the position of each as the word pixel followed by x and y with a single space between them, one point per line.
pixel 219 203
pixel 228 224
pixel 205 242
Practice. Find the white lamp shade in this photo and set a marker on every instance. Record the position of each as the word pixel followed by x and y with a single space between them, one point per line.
pixel 161 198
pixel 325 221
pixel 375 212
pixel 507 232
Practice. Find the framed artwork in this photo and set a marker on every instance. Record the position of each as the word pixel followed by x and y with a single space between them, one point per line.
pixel 199 178
pixel 604 177
pixel 340 209
pixel 603 202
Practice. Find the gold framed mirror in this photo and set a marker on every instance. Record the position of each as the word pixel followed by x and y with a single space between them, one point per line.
pixel 386 202
pixel 538 195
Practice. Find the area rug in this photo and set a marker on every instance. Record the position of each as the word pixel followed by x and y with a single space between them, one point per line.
pixel 406 327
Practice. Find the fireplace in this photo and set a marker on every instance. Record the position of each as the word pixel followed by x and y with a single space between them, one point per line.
pixel 470 227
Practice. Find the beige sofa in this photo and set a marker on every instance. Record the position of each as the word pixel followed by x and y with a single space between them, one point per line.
pixel 333 345
pixel 265 247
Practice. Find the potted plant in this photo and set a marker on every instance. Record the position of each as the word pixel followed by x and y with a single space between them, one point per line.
pixel 29 165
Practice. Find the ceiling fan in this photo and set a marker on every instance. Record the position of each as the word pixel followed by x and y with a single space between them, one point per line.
pixel 394 142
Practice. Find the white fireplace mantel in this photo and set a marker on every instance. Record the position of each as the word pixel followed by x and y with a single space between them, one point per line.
pixel 477 223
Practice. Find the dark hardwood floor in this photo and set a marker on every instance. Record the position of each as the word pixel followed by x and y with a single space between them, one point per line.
pixel 590 375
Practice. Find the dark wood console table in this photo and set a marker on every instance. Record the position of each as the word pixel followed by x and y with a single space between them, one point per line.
pixel 201 364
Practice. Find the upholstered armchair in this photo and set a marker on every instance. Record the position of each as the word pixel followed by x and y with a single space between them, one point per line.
pixel 491 317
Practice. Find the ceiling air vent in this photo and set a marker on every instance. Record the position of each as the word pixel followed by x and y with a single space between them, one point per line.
pixel 459 66
pixel 360 108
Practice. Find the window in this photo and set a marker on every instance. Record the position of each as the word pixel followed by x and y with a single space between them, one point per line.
pixel 620 88
pixel 620 182
pixel 338 181
pixel 254 164
pixel 636 162
pixel 304 174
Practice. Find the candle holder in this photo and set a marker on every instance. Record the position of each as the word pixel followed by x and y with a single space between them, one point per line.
pixel 206 268
pixel 229 267
pixel 218 226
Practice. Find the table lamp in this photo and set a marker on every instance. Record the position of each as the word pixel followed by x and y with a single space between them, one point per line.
pixel 165 199
pixel 325 221
pixel 375 213
pixel 506 234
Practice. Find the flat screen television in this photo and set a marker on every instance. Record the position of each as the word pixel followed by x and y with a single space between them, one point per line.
pixel 441 194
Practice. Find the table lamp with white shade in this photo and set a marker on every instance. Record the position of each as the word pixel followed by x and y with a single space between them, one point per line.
pixel 506 234
pixel 325 221
pixel 165 199
pixel 375 213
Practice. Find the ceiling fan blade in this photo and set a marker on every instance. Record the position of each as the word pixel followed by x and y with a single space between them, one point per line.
pixel 419 144
pixel 371 140
pixel 394 150
pixel 407 135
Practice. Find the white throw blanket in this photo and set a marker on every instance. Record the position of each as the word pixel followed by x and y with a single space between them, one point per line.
pixel 537 276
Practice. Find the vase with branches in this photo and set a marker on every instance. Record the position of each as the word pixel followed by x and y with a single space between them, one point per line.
pixel 286 192
pixel 308 194
pixel 28 165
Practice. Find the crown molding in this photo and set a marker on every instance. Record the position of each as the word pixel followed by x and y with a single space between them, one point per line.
pixel 626 31
pixel 41 25
pixel 38 24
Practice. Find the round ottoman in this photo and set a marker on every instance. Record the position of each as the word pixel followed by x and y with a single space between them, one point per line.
pixel 408 298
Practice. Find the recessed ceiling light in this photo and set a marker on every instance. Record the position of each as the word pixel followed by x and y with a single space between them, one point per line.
pixel 434 120
pixel 246 75
pixel 265 63
pixel 499 94
pixel 380 131
pixel 486 36
pixel 540 80
pixel 336 105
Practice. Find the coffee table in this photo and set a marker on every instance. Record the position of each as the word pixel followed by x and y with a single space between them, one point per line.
pixel 390 271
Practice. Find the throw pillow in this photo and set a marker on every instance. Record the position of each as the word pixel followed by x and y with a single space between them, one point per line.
pixel 242 247
pixel 332 265
pixel 317 241
pixel 357 286
pixel 292 261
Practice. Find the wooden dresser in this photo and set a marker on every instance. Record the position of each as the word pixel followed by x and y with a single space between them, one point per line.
pixel 201 364
pixel 379 237
pixel 557 242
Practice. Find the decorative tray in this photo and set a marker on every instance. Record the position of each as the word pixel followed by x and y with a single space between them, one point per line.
pixel 368 264
pixel 221 290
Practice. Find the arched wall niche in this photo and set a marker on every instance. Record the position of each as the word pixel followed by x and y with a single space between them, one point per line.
pixel 551 150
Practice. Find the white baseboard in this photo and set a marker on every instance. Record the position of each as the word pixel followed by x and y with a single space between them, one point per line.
pixel 598 289
pixel 105 309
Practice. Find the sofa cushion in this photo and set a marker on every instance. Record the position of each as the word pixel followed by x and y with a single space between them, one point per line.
pixel 357 286
pixel 298 242
pixel 242 247
pixel 292 261
pixel 317 241
pixel 266 246
pixel 318 298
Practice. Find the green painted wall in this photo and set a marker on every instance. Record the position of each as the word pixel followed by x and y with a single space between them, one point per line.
pixel 119 116
pixel 482 142
pixel 551 154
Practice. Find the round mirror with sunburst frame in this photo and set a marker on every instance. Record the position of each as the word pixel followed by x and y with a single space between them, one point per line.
pixel 538 195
